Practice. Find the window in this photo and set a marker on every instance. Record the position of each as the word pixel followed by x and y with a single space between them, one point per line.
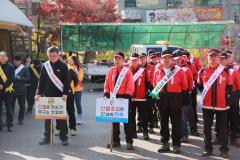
pixel 173 3
pixel 236 12
pixel 208 2
pixel 130 3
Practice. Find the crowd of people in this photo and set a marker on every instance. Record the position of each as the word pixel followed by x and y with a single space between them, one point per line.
pixel 164 85
pixel 28 77
pixel 159 87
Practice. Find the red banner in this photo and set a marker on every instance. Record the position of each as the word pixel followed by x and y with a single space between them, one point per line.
pixel 213 13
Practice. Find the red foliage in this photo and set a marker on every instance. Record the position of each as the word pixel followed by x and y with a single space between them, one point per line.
pixel 75 11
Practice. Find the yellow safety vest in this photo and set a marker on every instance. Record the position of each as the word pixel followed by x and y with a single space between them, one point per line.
pixel 4 78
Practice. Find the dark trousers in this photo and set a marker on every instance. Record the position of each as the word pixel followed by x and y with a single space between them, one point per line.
pixel 7 99
pixel 143 115
pixel 192 115
pixel 233 115
pixel 175 116
pixel 21 102
pixel 127 129
pixel 31 91
pixel 194 103
pixel 221 119
pixel 170 107
pixel 71 113
pixel 62 126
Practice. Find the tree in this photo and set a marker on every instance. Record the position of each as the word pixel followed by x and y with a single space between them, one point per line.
pixel 53 13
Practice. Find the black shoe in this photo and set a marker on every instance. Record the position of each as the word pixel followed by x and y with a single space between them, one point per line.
pixel 176 150
pixel 9 129
pixel 216 142
pixel 65 143
pixel 207 154
pixel 151 130
pixel 145 136
pixel 114 145
pixel 224 155
pixel 164 148
pixel 20 122
pixel 139 130
pixel 44 142
pixel 135 136
pixel 129 146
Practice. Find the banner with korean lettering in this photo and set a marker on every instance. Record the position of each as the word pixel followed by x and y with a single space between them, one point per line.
pixel 50 108
pixel 115 112
pixel 212 13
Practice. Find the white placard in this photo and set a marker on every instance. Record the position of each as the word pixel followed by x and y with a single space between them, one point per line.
pixel 115 112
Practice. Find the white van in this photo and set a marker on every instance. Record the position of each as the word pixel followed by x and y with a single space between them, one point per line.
pixel 136 48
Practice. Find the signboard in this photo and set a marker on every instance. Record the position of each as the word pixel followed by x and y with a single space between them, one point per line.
pixel 117 112
pixel 209 13
pixel 161 15
pixel 170 15
pixel 131 14
pixel 50 108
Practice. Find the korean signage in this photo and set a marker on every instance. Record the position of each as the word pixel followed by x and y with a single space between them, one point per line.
pixel 50 108
pixel 170 15
pixel 161 15
pixel 209 13
pixel 131 14
pixel 116 112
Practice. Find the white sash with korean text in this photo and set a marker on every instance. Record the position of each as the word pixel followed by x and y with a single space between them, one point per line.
pixel 19 69
pixel 138 74
pixel 56 81
pixel 211 80
pixel 165 80
pixel 118 83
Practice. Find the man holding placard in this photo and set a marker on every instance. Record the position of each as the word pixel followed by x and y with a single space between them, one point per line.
pixel 54 82
pixel 170 83
pixel 119 84
pixel 215 83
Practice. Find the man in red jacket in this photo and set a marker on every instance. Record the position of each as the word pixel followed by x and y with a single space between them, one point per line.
pixel 178 60
pixel 215 83
pixel 124 90
pixel 139 96
pixel 171 83
pixel 149 70
pixel 233 113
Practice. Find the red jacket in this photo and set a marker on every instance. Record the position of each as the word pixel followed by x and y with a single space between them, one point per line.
pixel 193 70
pixel 127 86
pixel 216 97
pixel 235 78
pixel 176 85
pixel 189 77
pixel 150 71
pixel 196 63
pixel 140 86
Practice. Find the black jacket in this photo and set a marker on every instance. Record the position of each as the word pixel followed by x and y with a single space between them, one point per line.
pixel 8 69
pixel 19 85
pixel 33 81
pixel 47 88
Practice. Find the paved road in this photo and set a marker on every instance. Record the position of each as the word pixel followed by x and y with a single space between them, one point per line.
pixel 90 142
